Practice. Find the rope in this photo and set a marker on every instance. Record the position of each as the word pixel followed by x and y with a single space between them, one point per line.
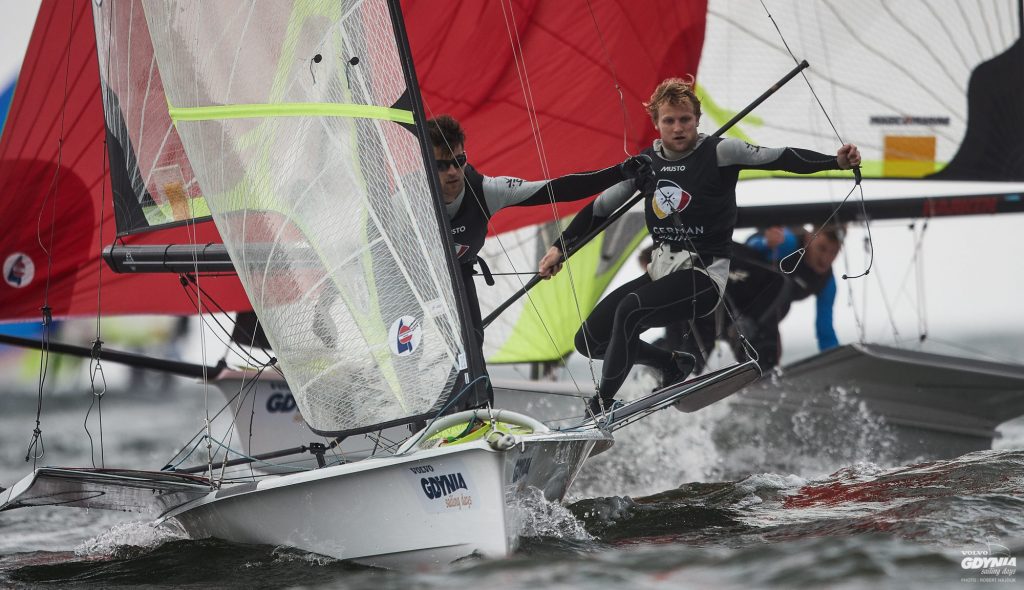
pixel 36 448
pixel 857 183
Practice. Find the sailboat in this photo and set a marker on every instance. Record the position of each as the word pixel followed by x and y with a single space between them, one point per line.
pixel 299 128
pixel 365 219
pixel 931 94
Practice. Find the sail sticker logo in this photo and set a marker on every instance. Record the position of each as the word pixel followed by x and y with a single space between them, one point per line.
pixel 19 270
pixel 669 197
pixel 404 335
pixel 460 249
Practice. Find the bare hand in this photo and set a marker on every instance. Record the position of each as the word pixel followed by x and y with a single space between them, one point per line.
pixel 551 263
pixel 773 236
pixel 848 156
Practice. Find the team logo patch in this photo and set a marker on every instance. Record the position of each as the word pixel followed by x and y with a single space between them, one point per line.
pixel 669 197
pixel 404 335
pixel 460 249
pixel 19 270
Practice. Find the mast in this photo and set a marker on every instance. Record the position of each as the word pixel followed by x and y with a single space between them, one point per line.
pixel 473 355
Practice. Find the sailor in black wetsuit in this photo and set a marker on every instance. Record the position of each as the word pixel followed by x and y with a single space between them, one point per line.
pixel 472 198
pixel 690 212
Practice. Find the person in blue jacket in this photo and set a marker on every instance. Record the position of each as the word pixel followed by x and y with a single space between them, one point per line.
pixel 764 281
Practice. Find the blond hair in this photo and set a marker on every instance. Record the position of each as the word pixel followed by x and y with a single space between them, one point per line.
pixel 673 91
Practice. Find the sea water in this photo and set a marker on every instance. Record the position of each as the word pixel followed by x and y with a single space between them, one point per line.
pixel 675 503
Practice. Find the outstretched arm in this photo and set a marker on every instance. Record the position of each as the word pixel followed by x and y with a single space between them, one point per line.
pixel 590 217
pixel 734 152
pixel 507 191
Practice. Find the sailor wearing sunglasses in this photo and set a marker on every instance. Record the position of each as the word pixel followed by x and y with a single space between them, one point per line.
pixel 471 198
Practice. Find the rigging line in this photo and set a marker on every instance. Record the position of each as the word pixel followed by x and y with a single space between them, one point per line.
pixel 850 295
pixel 856 169
pixel 615 79
pixel 922 306
pixel 887 304
pixel 234 417
pixel 524 82
pixel 36 448
pixel 95 365
pixel 243 389
pixel 229 343
pixel 229 346
pixel 748 348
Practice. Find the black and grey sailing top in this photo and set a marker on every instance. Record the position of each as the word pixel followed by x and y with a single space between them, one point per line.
pixel 483 196
pixel 701 186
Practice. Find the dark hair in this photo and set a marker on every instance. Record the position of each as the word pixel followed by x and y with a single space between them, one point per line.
pixel 834 233
pixel 445 132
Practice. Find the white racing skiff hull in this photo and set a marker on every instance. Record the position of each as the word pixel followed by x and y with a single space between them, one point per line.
pixel 427 508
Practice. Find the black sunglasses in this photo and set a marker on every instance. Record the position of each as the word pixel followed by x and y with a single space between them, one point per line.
pixel 459 162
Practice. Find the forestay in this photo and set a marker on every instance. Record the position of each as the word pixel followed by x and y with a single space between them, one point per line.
pixel 292 116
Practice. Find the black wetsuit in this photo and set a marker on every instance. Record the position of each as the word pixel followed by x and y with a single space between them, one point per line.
pixel 759 296
pixel 701 186
pixel 484 196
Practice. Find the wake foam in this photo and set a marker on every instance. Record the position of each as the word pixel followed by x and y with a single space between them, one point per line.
pixel 536 517
pixel 126 539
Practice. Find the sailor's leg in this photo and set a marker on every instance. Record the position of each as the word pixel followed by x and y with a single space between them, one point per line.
pixel 682 294
pixel 592 337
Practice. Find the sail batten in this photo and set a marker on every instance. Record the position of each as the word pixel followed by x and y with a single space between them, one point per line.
pixel 261 111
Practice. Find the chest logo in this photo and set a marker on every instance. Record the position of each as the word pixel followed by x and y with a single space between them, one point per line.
pixel 669 197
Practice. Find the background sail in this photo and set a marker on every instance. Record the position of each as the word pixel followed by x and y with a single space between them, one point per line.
pixel 541 326
pixel 288 113
pixel 581 124
pixel 52 169
pixel 151 180
pixel 896 77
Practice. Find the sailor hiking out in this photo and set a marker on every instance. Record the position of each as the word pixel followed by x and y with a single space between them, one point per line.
pixel 690 210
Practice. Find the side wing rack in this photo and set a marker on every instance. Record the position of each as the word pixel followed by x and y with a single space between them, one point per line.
pixel 688 396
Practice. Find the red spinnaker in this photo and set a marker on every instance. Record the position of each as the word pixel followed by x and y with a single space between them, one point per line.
pixel 52 153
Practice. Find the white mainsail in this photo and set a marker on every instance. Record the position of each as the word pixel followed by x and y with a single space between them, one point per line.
pixel 287 111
